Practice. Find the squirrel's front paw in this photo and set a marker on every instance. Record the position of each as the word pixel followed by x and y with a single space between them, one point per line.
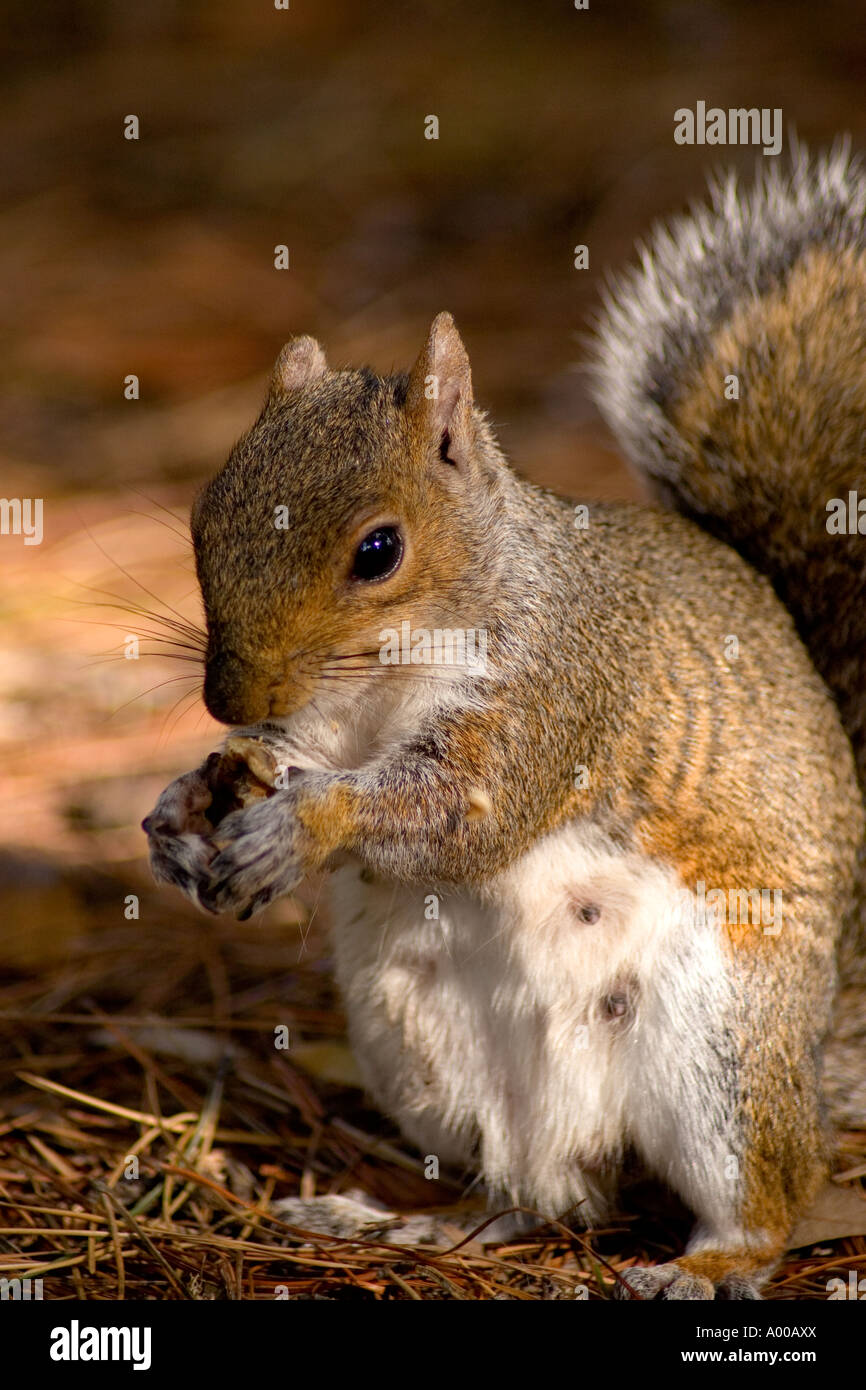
pixel 261 856
pixel 180 852
pixel 671 1281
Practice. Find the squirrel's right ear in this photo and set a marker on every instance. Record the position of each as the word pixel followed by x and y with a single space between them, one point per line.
pixel 439 395
pixel 300 363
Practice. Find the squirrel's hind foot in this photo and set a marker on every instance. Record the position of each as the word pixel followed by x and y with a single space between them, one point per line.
pixel 673 1282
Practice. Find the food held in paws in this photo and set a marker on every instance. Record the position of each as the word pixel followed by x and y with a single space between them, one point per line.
pixel 244 773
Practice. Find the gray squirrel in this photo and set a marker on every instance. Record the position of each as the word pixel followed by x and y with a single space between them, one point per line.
pixel 547 871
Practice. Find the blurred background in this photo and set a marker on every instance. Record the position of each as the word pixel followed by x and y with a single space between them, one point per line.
pixel 155 257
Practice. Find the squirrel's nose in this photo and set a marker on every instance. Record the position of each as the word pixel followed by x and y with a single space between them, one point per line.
pixel 234 692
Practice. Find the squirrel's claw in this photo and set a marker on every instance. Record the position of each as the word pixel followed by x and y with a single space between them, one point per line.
pixel 180 853
pixel 182 860
pixel 258 858
pixel 251 857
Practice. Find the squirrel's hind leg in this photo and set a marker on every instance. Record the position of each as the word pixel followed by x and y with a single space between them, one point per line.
pixel 725 1106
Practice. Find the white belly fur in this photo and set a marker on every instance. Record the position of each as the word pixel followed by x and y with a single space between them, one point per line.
pixel 485 1033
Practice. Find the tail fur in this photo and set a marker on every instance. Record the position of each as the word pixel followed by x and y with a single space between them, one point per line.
pixel 731 366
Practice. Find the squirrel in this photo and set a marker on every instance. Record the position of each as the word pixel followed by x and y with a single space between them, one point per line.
pixel 548 869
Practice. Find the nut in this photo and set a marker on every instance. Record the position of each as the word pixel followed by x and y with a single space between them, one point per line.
pixel 244 773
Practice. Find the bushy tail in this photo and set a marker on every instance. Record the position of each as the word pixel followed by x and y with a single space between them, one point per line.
pixel 731 365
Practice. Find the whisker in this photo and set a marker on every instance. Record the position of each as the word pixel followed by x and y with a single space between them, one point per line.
pixel 183 535
pixel 191 696
pixel 178 636
pixel 150 636
pixel 139 610
pixel 110 659
pixel 131 606
pixel 143 587
pixel 172 680
pixel 316 710
pixel 418 672
pixel 351 656
pixel 347 670
pixel 205 714
pixel 159 522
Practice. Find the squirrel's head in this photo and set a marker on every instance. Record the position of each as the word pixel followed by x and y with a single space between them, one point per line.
pixel 354 503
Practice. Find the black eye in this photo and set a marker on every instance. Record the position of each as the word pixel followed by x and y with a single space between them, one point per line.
pixel 379 554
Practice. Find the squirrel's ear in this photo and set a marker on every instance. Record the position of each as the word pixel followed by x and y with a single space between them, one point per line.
pixel 439 396
pixel 300 363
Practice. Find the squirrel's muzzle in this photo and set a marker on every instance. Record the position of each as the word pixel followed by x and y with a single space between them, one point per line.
pixel 237 691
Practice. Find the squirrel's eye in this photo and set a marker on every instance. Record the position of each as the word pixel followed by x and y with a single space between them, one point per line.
pixel 379 554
